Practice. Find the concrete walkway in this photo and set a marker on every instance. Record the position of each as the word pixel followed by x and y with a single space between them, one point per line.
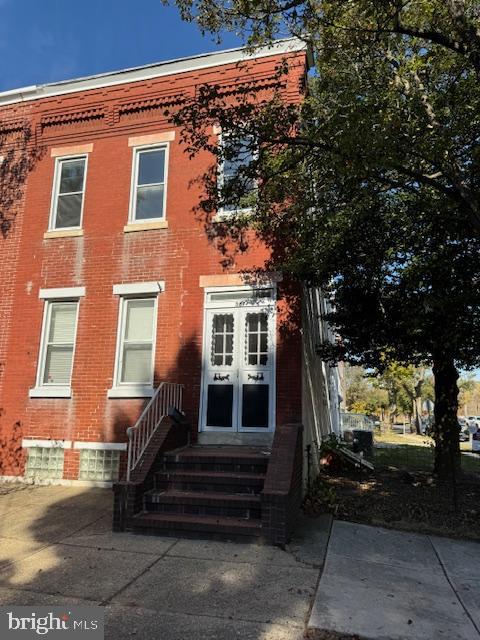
pixel 390 585
pixel 57 547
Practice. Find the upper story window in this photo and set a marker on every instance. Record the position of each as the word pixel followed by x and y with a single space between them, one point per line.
pixel 149 184
pixel 238 153
pixel 68 193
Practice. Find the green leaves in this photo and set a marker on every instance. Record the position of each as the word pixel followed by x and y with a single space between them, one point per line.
pixel 370 188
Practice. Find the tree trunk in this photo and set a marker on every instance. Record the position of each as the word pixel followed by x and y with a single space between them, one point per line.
pixel 445 432
pixel 418 415
pixel 417 401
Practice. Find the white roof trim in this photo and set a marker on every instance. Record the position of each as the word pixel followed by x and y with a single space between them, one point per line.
pixel 147 72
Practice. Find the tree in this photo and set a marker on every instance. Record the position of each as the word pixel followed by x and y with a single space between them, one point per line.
pixel 370 189
pixel 405 386
pixel 363 394
pixel 469 395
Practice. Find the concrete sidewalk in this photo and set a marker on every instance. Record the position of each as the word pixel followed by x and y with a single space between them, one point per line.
pixel 57 547
pixel 390 585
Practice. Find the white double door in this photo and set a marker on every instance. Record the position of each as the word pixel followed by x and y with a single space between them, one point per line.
pixel 239 369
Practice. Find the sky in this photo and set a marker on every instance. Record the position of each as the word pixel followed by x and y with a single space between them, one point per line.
pixel 45 41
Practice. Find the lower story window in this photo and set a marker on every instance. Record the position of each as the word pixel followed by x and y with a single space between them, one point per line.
pixel 44 463
pixel 136 347
pixel 99 464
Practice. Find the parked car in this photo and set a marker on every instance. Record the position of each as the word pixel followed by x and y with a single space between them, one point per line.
pixel 375 420
pixel 476 442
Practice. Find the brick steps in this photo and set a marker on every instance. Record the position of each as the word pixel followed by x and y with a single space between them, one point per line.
pixel 183 525
pixel 208 492
pixel 203 503
pixel 217 459
pixel 210 481
pixel 215 453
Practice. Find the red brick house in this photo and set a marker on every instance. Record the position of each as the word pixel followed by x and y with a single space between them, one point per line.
pixel 116 313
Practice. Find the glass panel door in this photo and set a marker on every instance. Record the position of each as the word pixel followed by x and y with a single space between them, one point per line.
pixel 220 372
pixel 256 388
pixel 239 368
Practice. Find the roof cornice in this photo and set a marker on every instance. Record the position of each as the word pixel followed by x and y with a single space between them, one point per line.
pixel 148 72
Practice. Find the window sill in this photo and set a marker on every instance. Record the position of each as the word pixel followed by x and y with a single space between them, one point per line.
pixel 134 391
pixel 50 392
pixel 145 226
pixel 67 233
pixel 28 443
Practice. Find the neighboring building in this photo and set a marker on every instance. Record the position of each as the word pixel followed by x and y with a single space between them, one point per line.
pixel 110 288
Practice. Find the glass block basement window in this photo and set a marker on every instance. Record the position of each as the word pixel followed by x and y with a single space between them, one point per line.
pixel 99 464
pixel 44 463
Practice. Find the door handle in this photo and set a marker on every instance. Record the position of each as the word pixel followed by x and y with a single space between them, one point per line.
pixel 256 378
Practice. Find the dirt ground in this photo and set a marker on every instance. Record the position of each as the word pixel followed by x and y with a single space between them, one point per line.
pixel 411 501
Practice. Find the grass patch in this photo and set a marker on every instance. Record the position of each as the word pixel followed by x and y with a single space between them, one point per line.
pixel 405 456
pixel 414 453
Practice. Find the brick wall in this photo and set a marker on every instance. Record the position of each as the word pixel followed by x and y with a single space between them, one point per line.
pixel 127 496
pixel 10 243
pixel 283 488
pixel 105 255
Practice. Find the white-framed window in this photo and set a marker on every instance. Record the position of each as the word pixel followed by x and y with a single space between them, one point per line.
pixel 149 183
pixel 68 192
pixel 135 353
pixel 57 347
pixel 237 153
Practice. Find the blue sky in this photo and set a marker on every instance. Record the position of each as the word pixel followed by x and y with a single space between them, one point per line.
pixel 47 40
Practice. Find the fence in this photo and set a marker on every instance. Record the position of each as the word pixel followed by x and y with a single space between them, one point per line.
pixel 351 421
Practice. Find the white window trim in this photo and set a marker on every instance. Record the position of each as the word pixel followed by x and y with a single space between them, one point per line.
pixel 52 391
pixel 42 390
pixel 133 186
pixel 62 293
pixel 139 288
pixel 247 289
pixel 46 444
pixel 224 214
pixel 129 390
pixel 104 446
pixel 56 187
